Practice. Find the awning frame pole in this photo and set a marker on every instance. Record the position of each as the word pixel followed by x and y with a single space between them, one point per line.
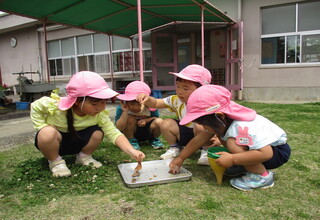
pixel 140 40
pixel 111 61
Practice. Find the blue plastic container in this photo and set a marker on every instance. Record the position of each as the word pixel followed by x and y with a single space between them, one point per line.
pixel 22 105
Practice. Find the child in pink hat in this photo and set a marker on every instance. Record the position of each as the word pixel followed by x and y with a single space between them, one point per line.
pixel 76 124
pixel 136 122
pixel 255 143
pixel 177 136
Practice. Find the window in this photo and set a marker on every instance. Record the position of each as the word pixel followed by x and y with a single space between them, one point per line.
pixel 294 40
pixel 61 57
pixel 91 52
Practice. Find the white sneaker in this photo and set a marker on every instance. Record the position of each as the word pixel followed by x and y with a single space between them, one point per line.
pixel 203 160
pixel 59 168
pixel 88 161
pixel 171 153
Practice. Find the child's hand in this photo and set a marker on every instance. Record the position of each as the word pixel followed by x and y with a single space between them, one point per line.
pixel 225 160
pixel 175 165
pixel 142 98
pixel 124 107
pixel 215 141
pixel 141 123
pixel 137 155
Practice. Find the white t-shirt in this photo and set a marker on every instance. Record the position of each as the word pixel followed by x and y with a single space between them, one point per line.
pixel 261 132
pixel 176 105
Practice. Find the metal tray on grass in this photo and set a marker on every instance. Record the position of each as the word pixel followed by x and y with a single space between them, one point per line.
pixel 152 173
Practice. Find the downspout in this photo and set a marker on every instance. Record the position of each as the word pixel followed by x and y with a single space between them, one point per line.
pixel 132 57
pixel 46 49
pixel 202 36
pixel 140 40
pixel 0 76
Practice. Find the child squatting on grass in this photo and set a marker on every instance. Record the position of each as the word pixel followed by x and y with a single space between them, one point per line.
pixel 178 136
pixel 137 122
pixel 253 141
pixel 76 124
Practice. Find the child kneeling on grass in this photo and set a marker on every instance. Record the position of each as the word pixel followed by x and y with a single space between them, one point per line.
pixel 76 124
pixel 138 122
pixel 253 141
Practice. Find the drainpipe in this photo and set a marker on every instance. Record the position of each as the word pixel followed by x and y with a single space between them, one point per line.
pixel 0 76
pixel 46 49
pixel 132 57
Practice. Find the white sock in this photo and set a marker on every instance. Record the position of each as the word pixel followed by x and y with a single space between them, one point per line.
pixel 58 158
pixel 80 154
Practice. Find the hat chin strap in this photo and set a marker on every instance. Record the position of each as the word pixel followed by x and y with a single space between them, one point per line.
pixel 224 125
pixel 84 99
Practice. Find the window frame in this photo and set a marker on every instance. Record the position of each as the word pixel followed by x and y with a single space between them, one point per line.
pixel 301 34
pixel 86 56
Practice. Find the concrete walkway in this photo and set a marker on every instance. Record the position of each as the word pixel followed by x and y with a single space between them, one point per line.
pixel 16 129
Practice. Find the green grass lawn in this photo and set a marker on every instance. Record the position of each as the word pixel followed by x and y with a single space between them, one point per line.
pixel 27 190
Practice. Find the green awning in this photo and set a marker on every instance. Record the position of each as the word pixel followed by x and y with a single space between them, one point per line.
pixel 115 17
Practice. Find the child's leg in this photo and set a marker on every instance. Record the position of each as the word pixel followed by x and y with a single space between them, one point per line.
pixel 155 133
pixel 203 159
pixel 155 127
pixel 85 155
pixel 170 131
pixel 131 127
pixel 93 143
pixel 256 177
pixel 48 142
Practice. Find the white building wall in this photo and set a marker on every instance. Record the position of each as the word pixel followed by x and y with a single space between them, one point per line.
pixel 297 83
pixel 23 57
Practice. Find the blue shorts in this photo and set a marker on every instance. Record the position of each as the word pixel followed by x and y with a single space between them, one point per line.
pixel 72 145
pixel 186 134
pixel 281 154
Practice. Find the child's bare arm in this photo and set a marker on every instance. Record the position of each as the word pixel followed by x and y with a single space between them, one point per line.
pixel 122 121
pixel 196 143
pixel 240 156
pixel 123 143
pixel 150 101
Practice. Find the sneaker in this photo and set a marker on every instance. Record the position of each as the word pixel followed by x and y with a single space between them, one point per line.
pixel 235 171
pixel 156 144
pixel 59 168
pixel 134 143
pixel 252 181
pixel 203 160
pixel 171 153
pixel 88 161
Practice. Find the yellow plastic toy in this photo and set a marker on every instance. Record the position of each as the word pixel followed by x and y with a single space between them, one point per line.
pixel 218 170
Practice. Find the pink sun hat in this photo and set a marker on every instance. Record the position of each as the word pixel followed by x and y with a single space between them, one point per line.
pixel 83 84
pixel 133 89
pixel 195 73
pixel 209 99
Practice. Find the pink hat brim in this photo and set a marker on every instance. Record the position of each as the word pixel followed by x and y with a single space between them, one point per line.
pixel 125 97
pixel 67 102
pixel 183 76
pixel 233 110
pixel 104 94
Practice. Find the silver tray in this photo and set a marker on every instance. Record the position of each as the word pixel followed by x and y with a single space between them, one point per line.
pixel 152 173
